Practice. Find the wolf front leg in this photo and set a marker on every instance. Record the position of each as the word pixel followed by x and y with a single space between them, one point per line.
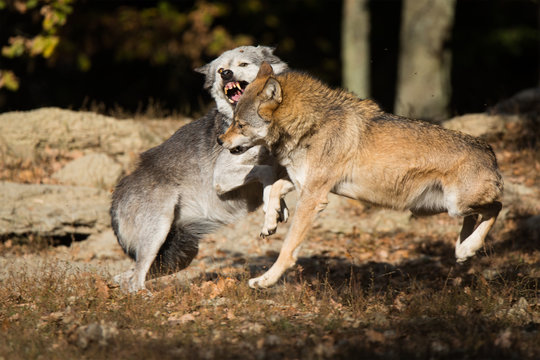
pixel 232 174
pixel 234 171
pixel 309 204
pixel 234 177
pixel 276 206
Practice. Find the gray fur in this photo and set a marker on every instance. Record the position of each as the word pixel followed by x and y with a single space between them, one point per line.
pixel 189 185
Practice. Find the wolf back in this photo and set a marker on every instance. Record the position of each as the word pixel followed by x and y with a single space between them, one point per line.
pixel 330 140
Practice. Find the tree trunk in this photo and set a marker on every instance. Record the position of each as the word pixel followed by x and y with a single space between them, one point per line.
pixel 355 46
pixel 424 89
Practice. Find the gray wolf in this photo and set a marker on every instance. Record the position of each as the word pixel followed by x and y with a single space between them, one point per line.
pixel 330 140
pixel 189 186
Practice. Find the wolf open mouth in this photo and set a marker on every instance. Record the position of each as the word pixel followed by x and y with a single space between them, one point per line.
pixel 238 150
pixel 234 89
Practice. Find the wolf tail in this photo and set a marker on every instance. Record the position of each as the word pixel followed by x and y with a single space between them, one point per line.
pixel 179 249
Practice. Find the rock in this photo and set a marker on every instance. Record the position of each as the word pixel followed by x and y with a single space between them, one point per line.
pixel 177 319
pixel 98 246
pixel 522 196
pixel 97 170
pixel 334 218
pixel 52 210
pixel 518 190
pixel 491 274
pixel 272 340
pixel 100 333
pixel 26 133
pixel 520 311
pixel 481 124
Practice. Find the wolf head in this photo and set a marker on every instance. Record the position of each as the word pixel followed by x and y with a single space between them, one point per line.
pixel 253 114
pixel 227 76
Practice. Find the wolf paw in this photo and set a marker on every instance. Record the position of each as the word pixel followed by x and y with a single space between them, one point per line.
pixel 122 279
pixel 267 232
pixel 463 252
pixel 259 283
pixel 271 220
pixel 128 283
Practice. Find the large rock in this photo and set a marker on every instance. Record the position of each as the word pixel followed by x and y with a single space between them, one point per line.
pixel 98 170
pixel 52 210
pixel 334 218
pixel 481 124
pixel 24 134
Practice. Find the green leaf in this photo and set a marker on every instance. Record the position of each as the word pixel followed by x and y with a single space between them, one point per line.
pixel 15 49
pixel 8 80
pixel 30 4
pixel 43 45
pixel 84 62
pixel 50 46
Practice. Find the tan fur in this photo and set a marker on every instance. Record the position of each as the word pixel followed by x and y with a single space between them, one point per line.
pixel 330 140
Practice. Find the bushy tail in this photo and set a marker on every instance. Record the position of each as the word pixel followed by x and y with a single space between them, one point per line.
pixel 179 249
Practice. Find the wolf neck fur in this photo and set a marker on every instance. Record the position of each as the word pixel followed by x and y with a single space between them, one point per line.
pixel 291 124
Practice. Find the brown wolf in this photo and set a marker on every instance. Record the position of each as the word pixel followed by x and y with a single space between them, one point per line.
pixel 330 140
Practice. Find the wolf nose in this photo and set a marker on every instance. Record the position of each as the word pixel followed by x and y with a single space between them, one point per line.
pixel 226 74
pixel 219 141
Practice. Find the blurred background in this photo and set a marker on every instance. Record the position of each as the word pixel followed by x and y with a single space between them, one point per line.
pixel 424 58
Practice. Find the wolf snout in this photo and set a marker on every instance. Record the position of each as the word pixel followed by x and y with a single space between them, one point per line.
pixel 219 141
pixel 226 74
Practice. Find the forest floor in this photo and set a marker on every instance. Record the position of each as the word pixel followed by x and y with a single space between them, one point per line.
pixel 369 283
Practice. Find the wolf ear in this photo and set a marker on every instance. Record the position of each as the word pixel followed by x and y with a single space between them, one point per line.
pixel 272 91
pixel 267 53
pixel 265 70
pixel 206 70
pixel 271 97
pixel 203 69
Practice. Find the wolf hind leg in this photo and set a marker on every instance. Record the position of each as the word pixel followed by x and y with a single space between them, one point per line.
pixel 146 229
pixel 149 246
pixel 471 239
pixel 309 204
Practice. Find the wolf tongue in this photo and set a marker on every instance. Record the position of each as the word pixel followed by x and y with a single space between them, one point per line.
pixel 236 96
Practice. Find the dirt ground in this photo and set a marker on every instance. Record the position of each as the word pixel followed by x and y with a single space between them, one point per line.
pixel 377 279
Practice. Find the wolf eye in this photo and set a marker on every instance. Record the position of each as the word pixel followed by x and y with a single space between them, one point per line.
pixel 240 126
pixel 243 64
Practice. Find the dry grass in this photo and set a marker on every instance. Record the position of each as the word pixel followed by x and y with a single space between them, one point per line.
pixel 424 309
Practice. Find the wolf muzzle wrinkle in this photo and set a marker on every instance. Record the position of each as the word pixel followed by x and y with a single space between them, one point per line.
pixel 234 89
